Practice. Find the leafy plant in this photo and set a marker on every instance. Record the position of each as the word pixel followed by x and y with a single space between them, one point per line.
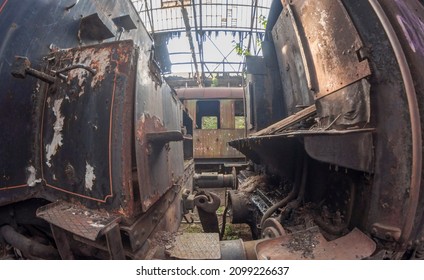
pixel 242 51
pixel 209 122
pixel 263 21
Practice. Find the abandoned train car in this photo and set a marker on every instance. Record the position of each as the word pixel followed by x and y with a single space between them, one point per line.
pixel 218 117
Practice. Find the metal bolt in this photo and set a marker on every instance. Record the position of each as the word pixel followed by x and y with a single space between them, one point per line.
pixel 388 235
pixel 374 231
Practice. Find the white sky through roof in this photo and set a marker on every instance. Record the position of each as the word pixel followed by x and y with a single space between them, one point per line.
pixel 223 23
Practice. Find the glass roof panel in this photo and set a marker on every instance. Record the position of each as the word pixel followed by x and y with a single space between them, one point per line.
pixel 221 32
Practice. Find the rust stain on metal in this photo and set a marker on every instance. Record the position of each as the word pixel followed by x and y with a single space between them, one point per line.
pixel 98 59
pixel 210 93
pixel 310 244
pixel 150 159
pixel 104 162
pixel 77 219
pixel 212 143
pixel 333 43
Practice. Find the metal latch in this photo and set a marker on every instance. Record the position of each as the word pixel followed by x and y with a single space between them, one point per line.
pixel 22 67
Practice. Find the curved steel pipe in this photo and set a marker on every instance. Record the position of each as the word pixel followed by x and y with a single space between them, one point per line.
pixel 214 180
pixel 76 66
pixel 233 250
pixel 27 246
pixel 291 195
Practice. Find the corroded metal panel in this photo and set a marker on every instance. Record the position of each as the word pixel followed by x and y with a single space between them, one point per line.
pixel 331 44
pixel 227 114
pixel 17 170
pixel 85 148
pixel 210 93
pixel 79 220
pixel 213 143
pixel 57 27
pixel 191 107
pixel 291 60
pixel 159 165
pixel 310 244
pixel 350 150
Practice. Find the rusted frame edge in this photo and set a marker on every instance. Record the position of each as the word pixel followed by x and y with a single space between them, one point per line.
pixel 414 189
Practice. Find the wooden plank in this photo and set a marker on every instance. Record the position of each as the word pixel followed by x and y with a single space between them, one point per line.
pixel 284 123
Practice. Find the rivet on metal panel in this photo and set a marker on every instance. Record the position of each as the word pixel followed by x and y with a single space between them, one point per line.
pixel 149 149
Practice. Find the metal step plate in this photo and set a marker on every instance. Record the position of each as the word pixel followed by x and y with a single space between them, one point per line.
pixel 195 246
pixel 310 244
pixel 78 220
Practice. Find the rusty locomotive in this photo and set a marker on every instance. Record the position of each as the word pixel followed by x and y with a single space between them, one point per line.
pixel 94 156
pixel 342 169
pixel 96 151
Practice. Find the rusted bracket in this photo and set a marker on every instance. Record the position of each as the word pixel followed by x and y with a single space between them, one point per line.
pixel 386 232
pixel 22 66
pixel 141 229
pixel 163 137
pixel 207 203
pixel 154 68
pixel 188 201
pixel 76 66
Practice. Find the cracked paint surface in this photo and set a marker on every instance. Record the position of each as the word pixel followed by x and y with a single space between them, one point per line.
pixel 90 177
pixel 52 148
pixel 32 178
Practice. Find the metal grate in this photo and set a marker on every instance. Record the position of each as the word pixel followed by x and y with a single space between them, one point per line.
pixel 78 220
pixel 196 246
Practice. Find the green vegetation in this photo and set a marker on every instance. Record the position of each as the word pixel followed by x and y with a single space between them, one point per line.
pixel 240 122
pixel 263 21
pixel 220 210
pixel 215 81
pixel 230 233
pixel 241 51
pixel 193 228
pixel 210 122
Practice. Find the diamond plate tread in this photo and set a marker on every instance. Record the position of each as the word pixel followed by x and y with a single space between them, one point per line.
pixel 78 220
pixel 196 246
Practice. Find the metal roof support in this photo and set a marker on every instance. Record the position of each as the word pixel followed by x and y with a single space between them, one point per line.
pixel 254 8
pixel 201 38
pixel 224 56
pixel 190 41
pixel 199 42
pixel 150 15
